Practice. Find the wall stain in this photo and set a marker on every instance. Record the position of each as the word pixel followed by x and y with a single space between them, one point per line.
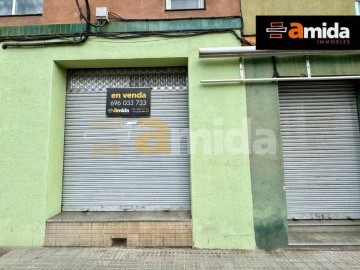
pixel 271 234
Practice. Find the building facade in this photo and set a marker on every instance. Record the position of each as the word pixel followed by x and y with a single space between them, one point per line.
pixel 209 166
pixel 315 145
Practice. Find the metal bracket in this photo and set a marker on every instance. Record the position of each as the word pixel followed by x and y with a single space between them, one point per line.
pixel 242 68
pixel 308 66
pixel 243 79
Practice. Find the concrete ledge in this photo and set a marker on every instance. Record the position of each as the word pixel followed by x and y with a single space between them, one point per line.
pixel 121 216
pixel 324 226
pixel 315 222
pixel 324 234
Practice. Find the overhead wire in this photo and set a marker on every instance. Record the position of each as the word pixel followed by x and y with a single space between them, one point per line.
pixel 275 71
pixel 127 35
pixel 86 18
pixel 242 38
pixel 78 38
pixel 245 41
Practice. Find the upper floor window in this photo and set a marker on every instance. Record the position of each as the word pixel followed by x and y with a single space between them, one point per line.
pixel 184 4
pixel 357 7
pixel 20 7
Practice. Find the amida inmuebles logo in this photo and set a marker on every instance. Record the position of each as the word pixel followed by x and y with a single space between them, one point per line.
pixel 307 32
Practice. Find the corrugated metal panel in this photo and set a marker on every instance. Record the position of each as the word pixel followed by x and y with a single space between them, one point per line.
pixel 321 149
pixel 103 168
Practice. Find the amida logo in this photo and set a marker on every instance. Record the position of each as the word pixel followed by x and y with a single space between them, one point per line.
pixel 307 32
pixel 299 31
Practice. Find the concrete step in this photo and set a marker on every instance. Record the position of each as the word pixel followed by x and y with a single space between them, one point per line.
pixel 325 238
pixel 324 234
pixel 131 229
pixel 327 246
pixel 323 226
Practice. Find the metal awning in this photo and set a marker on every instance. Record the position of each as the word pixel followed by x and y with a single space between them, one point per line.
pixel 250 51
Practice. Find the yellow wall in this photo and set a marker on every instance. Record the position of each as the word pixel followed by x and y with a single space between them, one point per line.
pixel 251 8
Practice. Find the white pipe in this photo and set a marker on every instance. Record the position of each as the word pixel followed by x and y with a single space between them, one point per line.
pixel 250 51
pixel 286 79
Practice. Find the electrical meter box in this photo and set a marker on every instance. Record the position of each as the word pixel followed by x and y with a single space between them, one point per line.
pixel 102 13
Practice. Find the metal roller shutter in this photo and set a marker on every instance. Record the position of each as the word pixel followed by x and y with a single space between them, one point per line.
pixel 321 149
pixel 103 169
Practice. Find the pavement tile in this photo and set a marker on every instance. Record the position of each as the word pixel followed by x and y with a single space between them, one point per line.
pixel 173 259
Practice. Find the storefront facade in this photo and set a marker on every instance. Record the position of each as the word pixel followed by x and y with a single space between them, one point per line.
pixel 35 136
pixel 316 132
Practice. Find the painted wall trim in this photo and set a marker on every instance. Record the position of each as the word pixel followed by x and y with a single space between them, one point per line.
pixel 127 26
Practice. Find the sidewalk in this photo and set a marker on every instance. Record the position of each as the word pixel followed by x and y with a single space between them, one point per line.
pixel 173 259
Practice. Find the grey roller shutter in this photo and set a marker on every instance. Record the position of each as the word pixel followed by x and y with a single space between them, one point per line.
pixel 103 167
pixel 321 149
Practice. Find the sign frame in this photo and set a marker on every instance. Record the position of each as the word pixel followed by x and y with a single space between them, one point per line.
pixel 130 102
pixel 307 33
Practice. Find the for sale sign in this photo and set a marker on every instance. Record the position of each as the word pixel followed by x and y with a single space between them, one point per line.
pixel 128 102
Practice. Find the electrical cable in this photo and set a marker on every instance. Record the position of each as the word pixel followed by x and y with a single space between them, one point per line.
pixel 243 24
pixel 77 38
pixel 117 17
pixel 127 35
pixel 245 41
pixel 162 34
pixel 80 38
pixel 87 19
pixel 114 15
pixel 276 73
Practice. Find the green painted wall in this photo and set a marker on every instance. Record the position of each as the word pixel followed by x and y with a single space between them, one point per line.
pixel 251 8
pixel 56 138
pixel 32 124
pixel 267 173
pixel 221 190
pixel 26 84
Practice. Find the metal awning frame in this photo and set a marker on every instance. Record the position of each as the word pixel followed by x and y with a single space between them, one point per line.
pixel 244 52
